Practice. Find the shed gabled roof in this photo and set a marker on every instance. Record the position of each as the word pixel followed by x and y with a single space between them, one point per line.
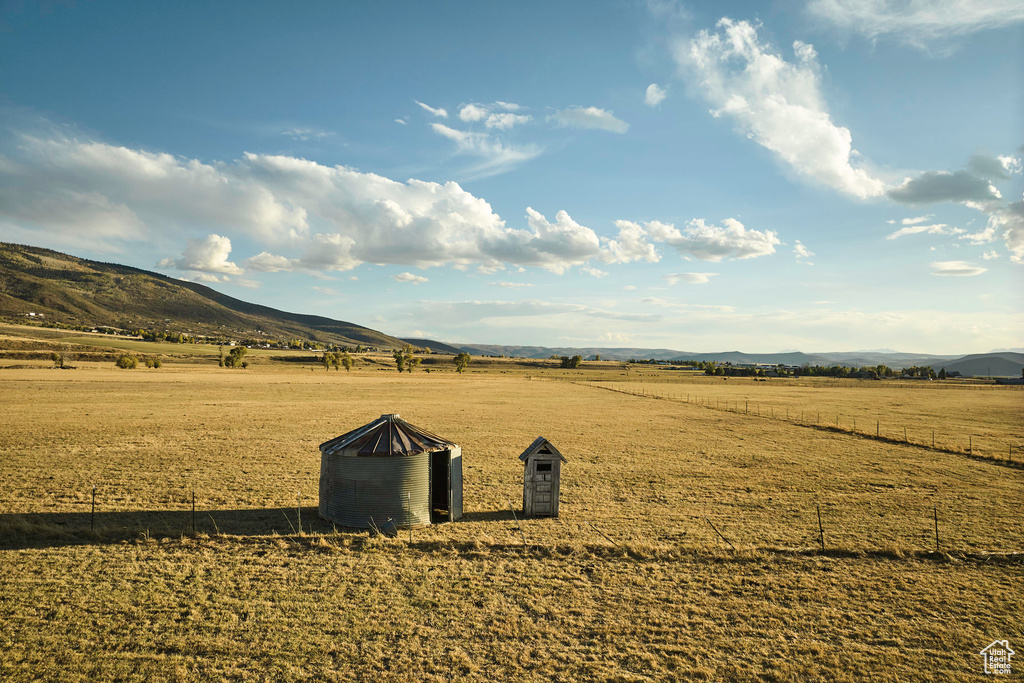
pixel 541 445
pixel 387 435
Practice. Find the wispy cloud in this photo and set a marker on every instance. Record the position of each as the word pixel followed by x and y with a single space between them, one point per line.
pixel 922 23
pixel 917 229
pixel 956 268
pixel 304 134
pixel 803 254
pixel 589 118
pixel 497 156
pixel 510 285
pixel 436 111
pixel 689 278
pixel 776 102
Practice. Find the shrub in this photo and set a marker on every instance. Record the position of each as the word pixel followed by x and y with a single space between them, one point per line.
pixel 126 362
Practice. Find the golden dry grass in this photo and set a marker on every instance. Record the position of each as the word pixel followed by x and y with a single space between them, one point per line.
pixel 630 583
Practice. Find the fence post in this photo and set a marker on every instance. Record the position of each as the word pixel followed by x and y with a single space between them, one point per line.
pixel 821 529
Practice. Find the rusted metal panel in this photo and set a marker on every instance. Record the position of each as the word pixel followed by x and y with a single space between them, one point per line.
pixel 386 492
pixel 387 435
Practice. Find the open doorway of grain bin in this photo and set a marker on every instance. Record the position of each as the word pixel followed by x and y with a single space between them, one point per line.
pixel 446 485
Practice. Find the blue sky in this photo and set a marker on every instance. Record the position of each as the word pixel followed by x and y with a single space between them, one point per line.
pixel 820 175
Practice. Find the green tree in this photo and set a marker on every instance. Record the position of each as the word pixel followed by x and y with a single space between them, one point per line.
pixel 942 373
pixel 461 361
pixel 413 363
pixel 575 361
pixel 346 361
pixel 126 362
pixel 399 360
pixel 234 358
pixel 58 359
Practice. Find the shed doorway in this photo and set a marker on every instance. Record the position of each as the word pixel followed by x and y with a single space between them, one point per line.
pixel 440 486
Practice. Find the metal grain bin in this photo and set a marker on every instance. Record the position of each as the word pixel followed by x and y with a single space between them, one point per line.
pixel 390 474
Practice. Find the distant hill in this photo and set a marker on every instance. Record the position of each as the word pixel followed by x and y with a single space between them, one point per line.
pixel 987 365
pixel 978 365
pixel 435 346
pixel 547 352
pixel 74 291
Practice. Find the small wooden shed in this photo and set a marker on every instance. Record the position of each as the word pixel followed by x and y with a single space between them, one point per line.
pixel 542 475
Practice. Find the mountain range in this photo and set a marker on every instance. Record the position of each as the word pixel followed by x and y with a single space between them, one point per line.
pixel 996 364
pixel 68 290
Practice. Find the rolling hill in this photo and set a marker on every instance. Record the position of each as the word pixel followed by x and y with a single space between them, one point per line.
pixel 68 290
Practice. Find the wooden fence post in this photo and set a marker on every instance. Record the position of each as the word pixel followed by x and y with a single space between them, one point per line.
pixel 821 529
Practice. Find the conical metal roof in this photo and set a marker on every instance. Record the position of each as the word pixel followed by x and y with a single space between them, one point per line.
pixel 387 435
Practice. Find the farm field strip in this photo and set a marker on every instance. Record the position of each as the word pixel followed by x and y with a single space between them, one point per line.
pixel 985 421
pixel 629 583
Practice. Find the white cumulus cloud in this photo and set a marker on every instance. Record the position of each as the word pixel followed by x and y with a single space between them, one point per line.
pixel 503 119
pixel 409 277
pixel 654 95
pixel 208 255
pixel 714 243
pixel 776 102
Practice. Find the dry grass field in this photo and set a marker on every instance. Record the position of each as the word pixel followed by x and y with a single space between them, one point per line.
pixel 631 583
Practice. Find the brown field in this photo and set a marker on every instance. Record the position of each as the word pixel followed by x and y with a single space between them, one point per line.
pixel 631 583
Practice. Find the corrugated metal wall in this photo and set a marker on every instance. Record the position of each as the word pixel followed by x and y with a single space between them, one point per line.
pixel 354 490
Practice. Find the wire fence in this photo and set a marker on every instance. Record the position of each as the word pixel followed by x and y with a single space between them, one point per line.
pixel 1002 450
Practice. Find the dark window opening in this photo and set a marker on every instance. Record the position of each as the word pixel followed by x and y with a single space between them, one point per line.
pixel 543 467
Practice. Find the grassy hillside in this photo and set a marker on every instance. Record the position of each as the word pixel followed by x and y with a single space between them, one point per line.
pixel 72 291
